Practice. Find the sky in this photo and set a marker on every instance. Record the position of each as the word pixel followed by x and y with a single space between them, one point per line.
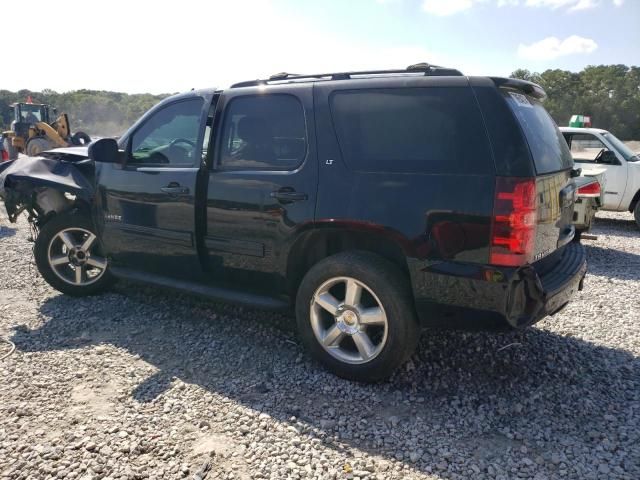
pixel 175 45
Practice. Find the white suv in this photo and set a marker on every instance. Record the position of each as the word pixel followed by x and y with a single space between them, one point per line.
pixel 595 150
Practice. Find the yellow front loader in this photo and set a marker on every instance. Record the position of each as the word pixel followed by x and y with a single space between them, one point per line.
pixel 32 133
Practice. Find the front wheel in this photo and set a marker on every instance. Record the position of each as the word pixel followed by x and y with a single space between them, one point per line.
pixel 355 314
pixel 36 145
pixel 636 213
pixel 68 256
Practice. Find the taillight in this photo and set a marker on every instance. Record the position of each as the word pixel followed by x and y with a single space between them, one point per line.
pixel 591 190
pixel 5 155
pixel 513 229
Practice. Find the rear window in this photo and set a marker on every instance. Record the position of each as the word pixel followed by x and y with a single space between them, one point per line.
pixel 411 130
pixel 548 147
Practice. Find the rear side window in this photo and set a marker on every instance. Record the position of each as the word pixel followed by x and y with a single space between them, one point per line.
pixel 265 132
pixel 548 147
pixel 411 130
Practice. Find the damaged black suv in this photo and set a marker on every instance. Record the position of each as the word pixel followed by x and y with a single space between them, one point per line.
pixel 370 202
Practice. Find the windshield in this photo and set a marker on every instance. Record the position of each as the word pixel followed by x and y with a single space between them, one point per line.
pixel 619 145
pixel 30 113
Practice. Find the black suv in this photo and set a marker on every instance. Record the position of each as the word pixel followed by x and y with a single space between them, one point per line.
pixel 369 201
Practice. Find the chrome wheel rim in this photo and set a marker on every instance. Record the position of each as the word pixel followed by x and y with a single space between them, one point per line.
pixel 73 256
pixel 348 320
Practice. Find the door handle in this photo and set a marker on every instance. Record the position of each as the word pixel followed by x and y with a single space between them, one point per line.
pixel 288 195
pixel 174 188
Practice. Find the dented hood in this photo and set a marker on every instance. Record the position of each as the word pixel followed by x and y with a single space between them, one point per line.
pixel 29 172
pixel 20 179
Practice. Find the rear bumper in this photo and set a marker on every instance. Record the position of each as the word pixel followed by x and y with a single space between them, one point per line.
pixel 583 212
pixel 520 296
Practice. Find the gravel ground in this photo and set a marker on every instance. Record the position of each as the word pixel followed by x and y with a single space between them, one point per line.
pixel 140 384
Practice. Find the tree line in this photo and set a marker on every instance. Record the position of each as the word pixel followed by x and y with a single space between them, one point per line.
pixel 98 113
pixel 610 94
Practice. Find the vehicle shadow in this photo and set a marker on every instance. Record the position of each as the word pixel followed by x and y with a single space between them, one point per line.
pixel 621 227
pixel 464 401
pixel 609 262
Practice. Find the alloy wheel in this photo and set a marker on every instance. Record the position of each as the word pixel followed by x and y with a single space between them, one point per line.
pixel 74 257
pixel 348 320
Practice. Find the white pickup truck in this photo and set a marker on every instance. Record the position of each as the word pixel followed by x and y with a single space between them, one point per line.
pixel 595 150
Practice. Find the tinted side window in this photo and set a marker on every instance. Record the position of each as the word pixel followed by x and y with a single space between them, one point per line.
pixel 265 132
pixel 411 130
pixel 169 137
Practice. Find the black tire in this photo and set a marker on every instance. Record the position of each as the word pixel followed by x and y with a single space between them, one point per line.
pixel 578 236
pixel 392 289
pixel 11 150
pixel 36 145
pixel 80 138
pixel 636 213
pixel 45 240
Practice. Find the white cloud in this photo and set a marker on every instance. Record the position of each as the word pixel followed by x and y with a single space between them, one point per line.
pixel 451 7
pixel 552 47
pixel 443 8
pixel 572 5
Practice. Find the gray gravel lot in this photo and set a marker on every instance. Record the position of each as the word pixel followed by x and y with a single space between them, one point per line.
pixel 140 383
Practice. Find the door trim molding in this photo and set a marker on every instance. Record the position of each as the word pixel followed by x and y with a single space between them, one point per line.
pixel 231 245
pixel 182 238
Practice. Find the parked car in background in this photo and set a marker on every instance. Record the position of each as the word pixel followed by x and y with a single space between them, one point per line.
pixel 594 151
pixel 589 201
pixel 369 202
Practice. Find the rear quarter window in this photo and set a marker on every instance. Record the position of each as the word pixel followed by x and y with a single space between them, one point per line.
pixel 435 130
pixel 548 147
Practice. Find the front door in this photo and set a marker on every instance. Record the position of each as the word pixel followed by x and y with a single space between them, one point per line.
pixel 146 206
pixel 592 155
pixel 262 187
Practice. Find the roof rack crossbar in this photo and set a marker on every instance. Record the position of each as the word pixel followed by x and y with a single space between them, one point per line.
pixel 284 77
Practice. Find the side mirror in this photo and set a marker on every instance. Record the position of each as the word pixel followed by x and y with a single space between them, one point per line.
pixel 105 150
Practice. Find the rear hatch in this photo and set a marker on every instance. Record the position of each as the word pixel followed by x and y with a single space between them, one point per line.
pixel 555 188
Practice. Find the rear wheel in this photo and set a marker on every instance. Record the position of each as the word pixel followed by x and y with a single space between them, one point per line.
pixel 36 145
pixel 356 316
pixel 636 213
pixel 11 150
pixel 68 256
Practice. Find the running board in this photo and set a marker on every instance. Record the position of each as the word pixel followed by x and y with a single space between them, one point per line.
pixel 220 294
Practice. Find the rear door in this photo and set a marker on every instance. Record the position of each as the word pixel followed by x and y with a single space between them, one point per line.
pixel 146 207
pixel 262 187
pixel 556 191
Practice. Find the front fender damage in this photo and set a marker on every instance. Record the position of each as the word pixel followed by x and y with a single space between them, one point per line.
pixel 44 186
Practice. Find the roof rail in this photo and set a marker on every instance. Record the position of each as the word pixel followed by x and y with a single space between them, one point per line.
pixel 284 77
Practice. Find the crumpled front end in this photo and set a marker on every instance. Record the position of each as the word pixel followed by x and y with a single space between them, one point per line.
pixel 45 186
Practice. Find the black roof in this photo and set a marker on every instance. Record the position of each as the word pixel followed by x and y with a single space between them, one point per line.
pixel 419 68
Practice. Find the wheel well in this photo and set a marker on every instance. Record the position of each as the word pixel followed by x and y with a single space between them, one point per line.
pixel 634 201
pixel 45 207
pixel 319 244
